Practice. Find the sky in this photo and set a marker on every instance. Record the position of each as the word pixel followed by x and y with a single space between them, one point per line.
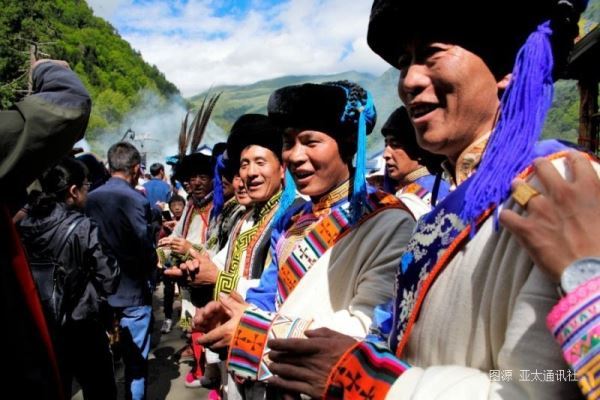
pixel 202 43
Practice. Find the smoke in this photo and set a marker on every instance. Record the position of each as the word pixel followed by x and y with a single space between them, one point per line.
pixel 153 127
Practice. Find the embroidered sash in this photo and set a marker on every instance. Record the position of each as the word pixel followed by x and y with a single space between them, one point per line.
pixel 439 236
pixel 246 242
pixel 321 237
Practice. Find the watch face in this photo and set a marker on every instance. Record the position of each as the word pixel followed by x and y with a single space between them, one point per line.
pixel 579 272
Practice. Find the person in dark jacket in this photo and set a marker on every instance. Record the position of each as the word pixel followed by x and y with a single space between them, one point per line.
pixel 125 221
pixel 34 134
pixel 55 228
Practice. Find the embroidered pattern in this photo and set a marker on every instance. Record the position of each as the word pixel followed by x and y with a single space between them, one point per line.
pixel 439 236
pixel 250 339
pixel 365 371
pixel 246 242
pixel 323 234
pixel 575 323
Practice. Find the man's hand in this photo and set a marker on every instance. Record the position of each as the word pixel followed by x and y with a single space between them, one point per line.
pixel 303 365
pixel 233 306
pixel 169 225
pixel 563 222
pixel 176 244
pixel 199 271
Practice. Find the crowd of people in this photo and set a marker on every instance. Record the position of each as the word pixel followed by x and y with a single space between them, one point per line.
pixel 473 272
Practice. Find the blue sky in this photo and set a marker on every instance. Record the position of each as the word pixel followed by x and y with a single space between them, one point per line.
pixel 202 43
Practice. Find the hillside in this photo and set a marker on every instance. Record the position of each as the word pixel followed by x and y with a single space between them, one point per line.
pixel 116 75
pixel 238 100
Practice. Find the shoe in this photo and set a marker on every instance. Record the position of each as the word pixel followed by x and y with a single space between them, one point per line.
pixel 214 395
pixel 166 326
pixel 191 381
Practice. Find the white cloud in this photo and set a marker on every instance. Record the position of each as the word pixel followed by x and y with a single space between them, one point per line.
pixel 196 49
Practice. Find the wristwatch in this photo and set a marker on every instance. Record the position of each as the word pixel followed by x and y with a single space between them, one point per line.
pixel 578 273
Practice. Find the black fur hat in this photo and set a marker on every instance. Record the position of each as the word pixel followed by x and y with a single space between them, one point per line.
pixel 326 107
pixel 252 129
pixel 493 31
pixel 399 126
pixel 194 164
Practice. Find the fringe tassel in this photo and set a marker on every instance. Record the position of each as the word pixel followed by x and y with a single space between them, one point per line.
pixel 523 110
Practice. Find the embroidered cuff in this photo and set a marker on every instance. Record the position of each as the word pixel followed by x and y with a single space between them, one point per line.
pixel 575 323
pixel 365 371
pixel 226 283
pixel 249 342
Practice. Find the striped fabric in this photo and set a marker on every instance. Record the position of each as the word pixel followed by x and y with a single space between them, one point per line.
pixel 366 371
pixel 575 323
pixel 321 237
pixel 249 342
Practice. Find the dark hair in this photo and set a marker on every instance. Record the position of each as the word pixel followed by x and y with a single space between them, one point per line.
pixel 156 168
pixel 97 172
pixel 56 182
pixel 176 198
pixel 122 157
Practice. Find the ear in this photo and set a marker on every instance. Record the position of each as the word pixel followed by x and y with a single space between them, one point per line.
pixel 73 192
pixel 502 84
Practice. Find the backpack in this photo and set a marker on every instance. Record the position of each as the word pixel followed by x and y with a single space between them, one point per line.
pixel 50 276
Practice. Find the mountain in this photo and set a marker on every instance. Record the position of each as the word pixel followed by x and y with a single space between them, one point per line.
pixel 238 100
pixel 116 76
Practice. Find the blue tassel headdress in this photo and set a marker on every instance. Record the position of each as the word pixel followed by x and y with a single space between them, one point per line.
pixel 218 196
pixel 523 109
pixel 287 197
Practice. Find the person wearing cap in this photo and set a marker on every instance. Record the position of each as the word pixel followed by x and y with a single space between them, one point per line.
pixel 333 257
pixel 408 168
pixel 254 145
pixel 226 211
pixel 470 308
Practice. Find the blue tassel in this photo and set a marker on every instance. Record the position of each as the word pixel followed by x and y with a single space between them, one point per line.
pixel 287 197
pixel 218 196
pixel 523 110
pixel 359 192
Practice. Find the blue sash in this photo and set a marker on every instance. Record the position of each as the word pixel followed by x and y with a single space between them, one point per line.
pixel 439 236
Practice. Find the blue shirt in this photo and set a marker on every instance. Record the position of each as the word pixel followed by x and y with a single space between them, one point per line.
pixel 157 190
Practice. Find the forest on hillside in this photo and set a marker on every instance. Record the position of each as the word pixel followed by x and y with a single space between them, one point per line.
pixel 114 73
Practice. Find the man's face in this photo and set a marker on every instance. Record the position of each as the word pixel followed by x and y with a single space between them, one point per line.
pixel 200 185
pixel 314 160
pixel 397 162
pixel 241 194
pixel 227 188
pixel 451 96
pixel 261 172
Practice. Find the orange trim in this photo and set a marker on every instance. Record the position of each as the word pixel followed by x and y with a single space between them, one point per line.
pixel 333 370
pixel 451 251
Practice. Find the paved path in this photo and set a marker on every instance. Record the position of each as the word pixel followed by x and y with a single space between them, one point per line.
pixel 166 373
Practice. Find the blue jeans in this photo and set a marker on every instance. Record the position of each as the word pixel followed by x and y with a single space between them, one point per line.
pixel 136 325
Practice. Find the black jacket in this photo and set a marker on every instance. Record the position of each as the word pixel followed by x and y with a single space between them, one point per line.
pixel 125 221
pixel 97 275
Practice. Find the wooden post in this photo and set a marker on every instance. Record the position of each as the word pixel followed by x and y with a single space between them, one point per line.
pixel 588 114
pixel 32 60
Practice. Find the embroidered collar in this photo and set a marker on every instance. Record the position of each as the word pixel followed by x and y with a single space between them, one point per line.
pixel 467 162
pixel 330 199
pixel 416 174
pixel 260 211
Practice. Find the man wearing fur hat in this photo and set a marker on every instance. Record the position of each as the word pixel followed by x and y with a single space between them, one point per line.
pixel 254 148
pixel 409 170
pixel 333 258
pixel 470 308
